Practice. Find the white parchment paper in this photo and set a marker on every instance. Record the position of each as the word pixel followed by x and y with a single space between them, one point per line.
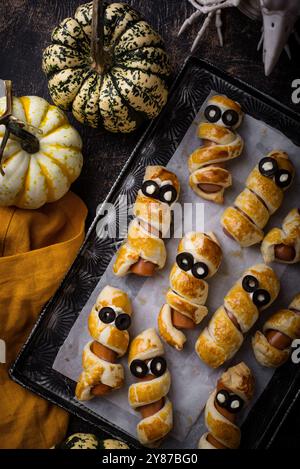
pixel 192 380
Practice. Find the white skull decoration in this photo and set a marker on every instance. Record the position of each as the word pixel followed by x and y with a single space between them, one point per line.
pixel 279 18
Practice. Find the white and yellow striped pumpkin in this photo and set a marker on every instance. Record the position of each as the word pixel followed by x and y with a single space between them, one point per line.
pixel 32 179
pixel 131 87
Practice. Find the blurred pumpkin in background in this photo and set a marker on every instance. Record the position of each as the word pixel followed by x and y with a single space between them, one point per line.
pixel 90 441
pixel 108 66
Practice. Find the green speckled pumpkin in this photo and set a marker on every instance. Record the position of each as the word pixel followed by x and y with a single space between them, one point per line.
pixel 118 87
pixel 90 441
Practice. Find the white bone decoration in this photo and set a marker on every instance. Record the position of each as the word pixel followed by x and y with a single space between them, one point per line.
pixel 278 17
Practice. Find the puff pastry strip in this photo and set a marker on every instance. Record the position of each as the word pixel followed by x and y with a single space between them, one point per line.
pixel 235 388
pixel 252 293
pixel 209 178
pixel 107 323
pixel 199 257
pixel 272 346
pixel 263 195
pixel 144 251
pixel 283 245
pixel 149 394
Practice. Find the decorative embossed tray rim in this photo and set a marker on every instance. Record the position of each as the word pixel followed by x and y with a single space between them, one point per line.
pixel 33 366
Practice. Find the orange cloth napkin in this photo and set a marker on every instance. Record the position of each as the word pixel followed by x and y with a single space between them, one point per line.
pixel 36 249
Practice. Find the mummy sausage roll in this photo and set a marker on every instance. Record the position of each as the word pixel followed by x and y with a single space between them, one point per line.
pixel 149 394
pixel 283 245
pixel 108 323
pixel 263 195
pixel 144 251
pixel 253 292
pixel 272 347
pixel 234 390
pixel 199 257
pixel 221 143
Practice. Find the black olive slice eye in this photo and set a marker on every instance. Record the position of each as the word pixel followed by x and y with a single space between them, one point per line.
pixel 200 270
pixel 185 261
pixel 235 403
pixel 123 322
pixel 283 178
pixel 150 188
pixel 138 368
pixel 222 398
pixel 230 118
pixel 268 166
pixel 167 194
pixel 250 283
pixel 261 297
pixel 212 113
pixel 107 315
pixel 158 366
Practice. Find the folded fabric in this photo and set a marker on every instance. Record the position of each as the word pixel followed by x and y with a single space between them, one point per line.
pixel 36 249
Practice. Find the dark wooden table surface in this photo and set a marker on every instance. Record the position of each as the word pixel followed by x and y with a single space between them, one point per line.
pixel 25 28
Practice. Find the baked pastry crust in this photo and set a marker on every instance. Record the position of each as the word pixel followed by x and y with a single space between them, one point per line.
pixel 289 236
pixel 286 321
pixel 222 338
pixel 239 381
pixel 145 346
pixel 95 369
pixel 151 223
pixel 187 294
pixel 106 334
pixel 221 143
pixel 245 220
pixel 150 430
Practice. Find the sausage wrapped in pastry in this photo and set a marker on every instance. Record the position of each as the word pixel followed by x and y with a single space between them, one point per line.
pixel 234 390
pixel 108 323
pixel 283 245
pixel 221 143
pixel 149 394
pixel 253 292
pixel 199 257
pixel 272 346
pixel 144 251
pixel 263 195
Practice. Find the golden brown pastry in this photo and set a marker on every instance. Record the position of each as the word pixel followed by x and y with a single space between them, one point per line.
pixel 263 195
pixel 283 245
pixel 252 293
pixel 209 178
pixel 108 323
pixel 199 257
pixel 149 394
pixel 234 390
pixel 272 347
pixel 144 251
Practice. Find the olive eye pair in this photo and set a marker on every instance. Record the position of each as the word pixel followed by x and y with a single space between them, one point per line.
pixel 108 315
pixel 213 114
pixel 166 193
pixel 260 297
pixel 157 367
pixel 228 401
pixel 185 261
pixel 268 167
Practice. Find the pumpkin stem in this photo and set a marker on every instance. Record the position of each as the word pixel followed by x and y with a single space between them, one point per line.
pixel 97 44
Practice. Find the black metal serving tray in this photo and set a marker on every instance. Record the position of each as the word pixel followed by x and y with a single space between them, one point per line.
pixel 33 367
